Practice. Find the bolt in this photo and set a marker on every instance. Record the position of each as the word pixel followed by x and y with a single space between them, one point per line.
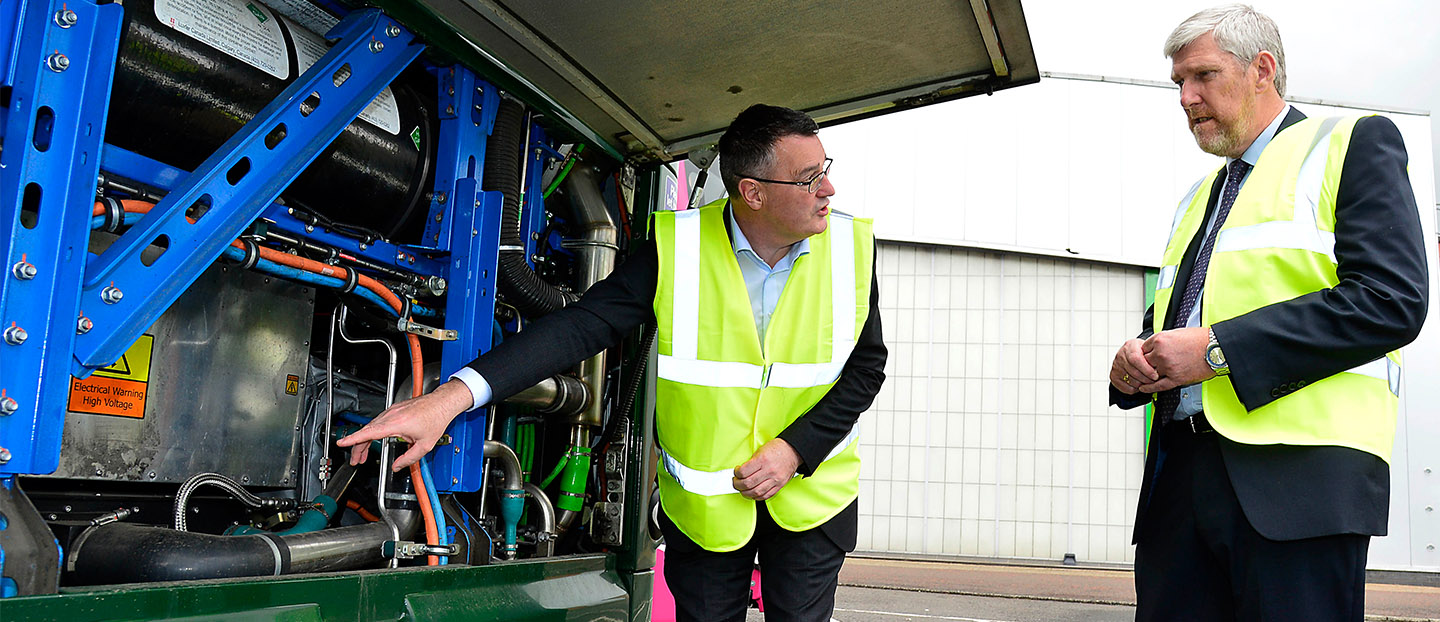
pixel 364 246
pixel 290 211
pixel 453 480
pixel 151 475
pixel 16 335
pixel 57 62
pixel 24 271
pixel 411 259
pixel 1429 508
pixel 474 233
pixel 442 198
pixel 392 31
pixel 535 236
pixel 8 405
pixel 245 479
pixel 376 46
pixel 457 449
pixel 438 217
pixel 99 472
pixel 4 455
pixel 449 110
pixel 309 228
pixel 66 18
pixel 111 294
pixel 84 325
pixel 537 153
pixel 68 509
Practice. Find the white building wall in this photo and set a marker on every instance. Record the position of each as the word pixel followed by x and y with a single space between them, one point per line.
pixel 1015 233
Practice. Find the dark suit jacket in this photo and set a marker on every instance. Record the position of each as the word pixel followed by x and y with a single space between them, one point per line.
pixel 625 300
pixel 1292 492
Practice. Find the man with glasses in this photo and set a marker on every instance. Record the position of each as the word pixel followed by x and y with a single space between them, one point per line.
pixel 769 347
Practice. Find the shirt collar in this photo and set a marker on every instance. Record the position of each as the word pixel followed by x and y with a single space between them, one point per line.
pixel 742 244
pixel 1252 155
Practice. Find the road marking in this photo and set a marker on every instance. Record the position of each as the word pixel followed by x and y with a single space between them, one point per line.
pixel 916 615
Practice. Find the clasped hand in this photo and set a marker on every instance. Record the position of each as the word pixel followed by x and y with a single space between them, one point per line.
pixel 1166 360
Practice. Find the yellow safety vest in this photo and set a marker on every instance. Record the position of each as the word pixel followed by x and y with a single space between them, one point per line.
pixel 1278 243
pixel 721 394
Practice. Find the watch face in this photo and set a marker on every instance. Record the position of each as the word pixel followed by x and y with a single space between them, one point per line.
pixel 1215 356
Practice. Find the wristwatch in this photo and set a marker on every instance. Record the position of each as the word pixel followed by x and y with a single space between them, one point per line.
pixel 1216 357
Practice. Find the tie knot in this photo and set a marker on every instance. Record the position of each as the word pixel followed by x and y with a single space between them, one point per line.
pixel 1238 168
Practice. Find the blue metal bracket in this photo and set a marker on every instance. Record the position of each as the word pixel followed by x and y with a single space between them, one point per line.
pixel 532 209
pixel 124 293
pixel 60 66
pixel 163 177
pixel 467 222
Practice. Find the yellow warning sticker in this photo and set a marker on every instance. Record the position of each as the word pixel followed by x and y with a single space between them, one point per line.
pixel 134 364
pixel 119 389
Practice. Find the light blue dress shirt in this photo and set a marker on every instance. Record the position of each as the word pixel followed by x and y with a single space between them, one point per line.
pixel 763 283
pixel 1190 394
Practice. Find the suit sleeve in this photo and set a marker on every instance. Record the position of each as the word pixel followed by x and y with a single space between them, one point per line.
pixel 607 312
pixel 817 431
pixel 1126 402
pixel 1380 301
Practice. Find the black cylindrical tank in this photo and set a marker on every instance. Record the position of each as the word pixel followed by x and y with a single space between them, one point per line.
pixel 177 98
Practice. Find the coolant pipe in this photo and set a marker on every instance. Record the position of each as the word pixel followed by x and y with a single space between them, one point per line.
pixel 572 486
pixel 314 519
pixel 129 553
pixel 545 544
pixel 512 495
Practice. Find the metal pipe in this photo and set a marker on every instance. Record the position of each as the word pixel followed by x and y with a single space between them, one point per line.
pixel 386 454
pixel 596 252
pixel 512 495
pixel 545 542
pixel 509 463
pixel 560 395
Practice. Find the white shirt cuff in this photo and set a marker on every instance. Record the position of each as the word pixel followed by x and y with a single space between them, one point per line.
pixel 479 389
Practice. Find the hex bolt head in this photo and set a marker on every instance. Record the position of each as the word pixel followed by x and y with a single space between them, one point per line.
pixel 4 455
pixel 376 46
pixel 392 31
pixel 24 270
pixel 84 325
pixel 16 335
pixel 111 294
pixel 66 18
pixel 8 405
pixel 57 62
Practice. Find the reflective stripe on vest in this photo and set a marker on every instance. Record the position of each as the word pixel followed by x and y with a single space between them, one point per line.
pixel 1284 216
pixel 712 483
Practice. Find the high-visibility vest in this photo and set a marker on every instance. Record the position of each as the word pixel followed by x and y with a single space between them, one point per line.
pixel 720 394
pixel 1278 243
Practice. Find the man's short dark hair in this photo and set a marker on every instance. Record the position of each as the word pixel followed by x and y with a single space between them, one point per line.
pixel 747 147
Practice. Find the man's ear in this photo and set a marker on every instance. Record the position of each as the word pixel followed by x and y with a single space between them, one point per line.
pixel 1266 67
pixel 752 192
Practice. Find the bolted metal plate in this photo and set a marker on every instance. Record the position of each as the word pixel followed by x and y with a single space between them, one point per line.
pixel 223 394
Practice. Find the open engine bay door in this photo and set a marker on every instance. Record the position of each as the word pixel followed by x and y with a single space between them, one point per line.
pixel 661 78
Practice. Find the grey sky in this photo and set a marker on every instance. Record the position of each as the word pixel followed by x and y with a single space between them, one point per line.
pixel 1382 53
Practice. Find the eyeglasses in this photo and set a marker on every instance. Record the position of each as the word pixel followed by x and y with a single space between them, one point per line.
pixel 810 185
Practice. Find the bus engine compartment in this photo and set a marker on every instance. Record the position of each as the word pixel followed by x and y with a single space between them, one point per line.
pixel 237 230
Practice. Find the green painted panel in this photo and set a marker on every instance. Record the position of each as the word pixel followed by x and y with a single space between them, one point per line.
pixel 571 588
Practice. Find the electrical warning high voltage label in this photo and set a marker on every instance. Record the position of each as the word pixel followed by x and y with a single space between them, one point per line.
pixel 119 389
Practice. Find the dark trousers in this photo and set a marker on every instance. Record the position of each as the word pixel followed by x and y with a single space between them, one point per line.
pixel 1198 558
pixel 798 573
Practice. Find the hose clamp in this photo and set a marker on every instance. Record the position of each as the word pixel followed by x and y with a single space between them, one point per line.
pixel 352 278
pixel 252 254
pixel 114 214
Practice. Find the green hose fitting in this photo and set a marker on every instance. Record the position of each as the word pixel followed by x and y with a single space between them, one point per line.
pixel 512 505
pixel 314 519
pixel 572 487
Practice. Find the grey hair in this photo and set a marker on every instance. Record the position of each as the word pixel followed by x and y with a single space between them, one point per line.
pixel 1240 30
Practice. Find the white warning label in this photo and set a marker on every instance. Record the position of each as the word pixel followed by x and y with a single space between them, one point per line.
pixel 312 17
pixel 383 112
pixel 241 28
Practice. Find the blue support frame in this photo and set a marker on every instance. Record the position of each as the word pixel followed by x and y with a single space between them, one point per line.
pixel 60 78
pixel 468 223
pixel 532 209
pixel 232 187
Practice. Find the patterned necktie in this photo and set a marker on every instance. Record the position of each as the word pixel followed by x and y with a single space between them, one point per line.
pixel 1170 400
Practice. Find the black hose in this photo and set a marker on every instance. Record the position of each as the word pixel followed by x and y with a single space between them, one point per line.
pixel 125 553
pixel 632 385
pixel 503 156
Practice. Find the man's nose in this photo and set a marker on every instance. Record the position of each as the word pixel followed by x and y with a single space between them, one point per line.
pixel 1189 96
pixel 826 188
